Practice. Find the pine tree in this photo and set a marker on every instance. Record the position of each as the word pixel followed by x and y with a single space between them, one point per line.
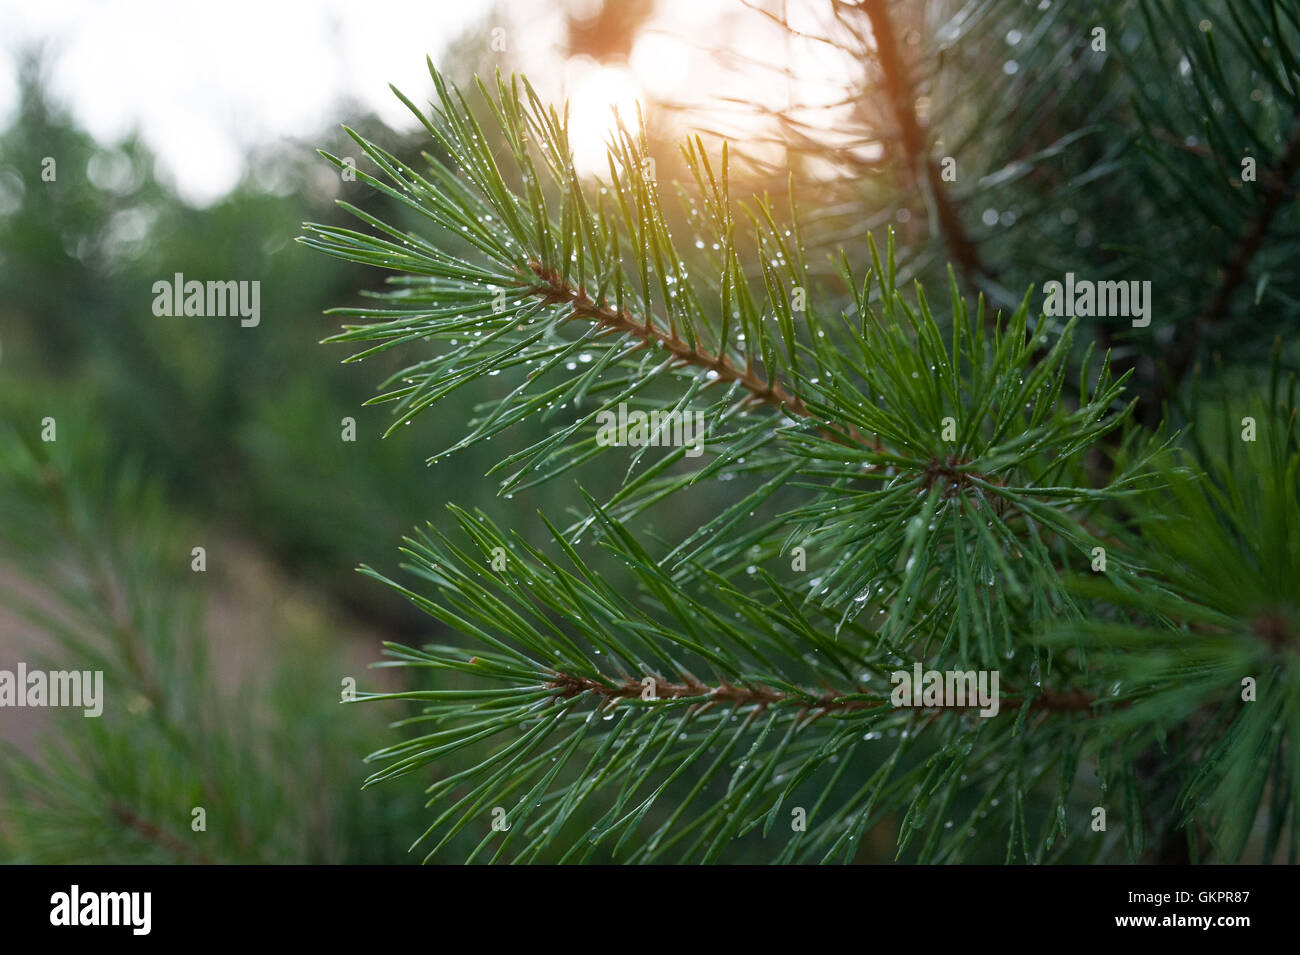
pixel 973 488
pixel 177 766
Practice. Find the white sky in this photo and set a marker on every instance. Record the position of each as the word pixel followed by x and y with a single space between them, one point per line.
pixel 203 81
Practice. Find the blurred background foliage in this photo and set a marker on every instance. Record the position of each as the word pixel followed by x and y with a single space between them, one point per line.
pixel 175 433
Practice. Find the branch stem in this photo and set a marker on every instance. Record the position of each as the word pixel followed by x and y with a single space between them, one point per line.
pixel 567 685
pixel 554 290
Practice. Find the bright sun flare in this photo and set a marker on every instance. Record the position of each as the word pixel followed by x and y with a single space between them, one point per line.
pixel 594 93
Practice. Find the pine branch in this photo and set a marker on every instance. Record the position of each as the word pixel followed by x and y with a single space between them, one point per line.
pixel 555 290
pixel 721 366
pixel 158 836
pixel 537 611
pixel 122 786
pixel 1274 195
pixel 948 531
pixel 1213 607
pixel 567 686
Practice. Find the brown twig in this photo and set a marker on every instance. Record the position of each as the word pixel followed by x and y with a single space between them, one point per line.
pixel 1277 186
pixel 555 290
pixel 960 247
pixel 567 685
pixel 126 636
pixel 158 836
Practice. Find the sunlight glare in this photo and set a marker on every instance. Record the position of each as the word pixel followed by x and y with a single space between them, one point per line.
pixel 595 91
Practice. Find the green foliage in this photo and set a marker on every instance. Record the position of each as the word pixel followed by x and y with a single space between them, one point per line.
pixel 1214 604
pixel 97 565
pixel 939 474
pixel 697 655
pixel 1108 139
